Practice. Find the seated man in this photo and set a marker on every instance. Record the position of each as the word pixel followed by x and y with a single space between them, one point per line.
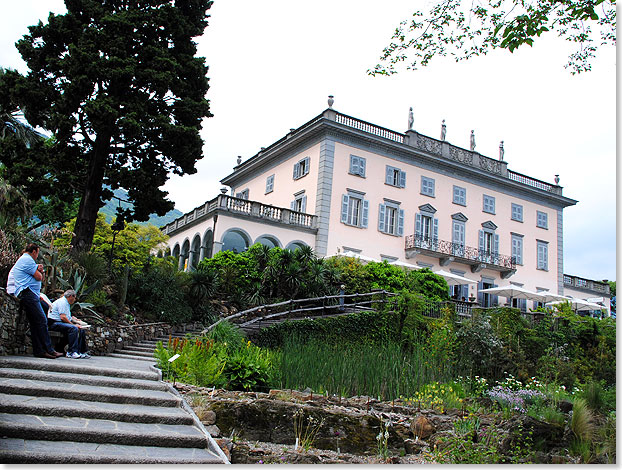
pixel 60 319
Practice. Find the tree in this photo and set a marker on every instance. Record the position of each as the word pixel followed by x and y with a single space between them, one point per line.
pixel 118 84
pixel 467 31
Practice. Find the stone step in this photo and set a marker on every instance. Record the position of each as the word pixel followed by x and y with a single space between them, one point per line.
pixel 128 355
pixel 134 352
pixel 80 430
pixel 136 347
pixel 97 365
pixel 52 406
pixel 38 388
pixel 117 382
pixel 68 452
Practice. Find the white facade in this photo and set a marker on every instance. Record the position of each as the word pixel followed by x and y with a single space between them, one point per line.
pixel 340 184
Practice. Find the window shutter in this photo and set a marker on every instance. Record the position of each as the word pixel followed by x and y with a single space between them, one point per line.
pixel 365 213
pixel 480 294
pixel 296 168
pixel 435 229
pixel 465 291
pixel 418 225
pixel 389 175
pixel 304 204
pixel 481 241
pixel 381 214
pixel 307 160
pixel 496 244
pixel 400 223
pixel 362 166
pixel 344 208
pixel 402 179
pixel 292 205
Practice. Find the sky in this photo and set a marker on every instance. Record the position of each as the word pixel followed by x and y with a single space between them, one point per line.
pixel 272 65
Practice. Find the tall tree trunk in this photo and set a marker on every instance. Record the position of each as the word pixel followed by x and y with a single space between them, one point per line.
pixel 91 196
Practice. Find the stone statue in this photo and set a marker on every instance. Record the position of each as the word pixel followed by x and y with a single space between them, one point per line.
pixel 472 141
pixel 239 160
pixel 411 119
pixel 501 151
pixel 330 101
pixel 443 131
pixel 557 180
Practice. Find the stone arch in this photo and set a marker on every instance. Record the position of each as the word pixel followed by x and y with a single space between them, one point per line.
pixel 207 244
pixel 183 256
pixel 195 250
pixel 295 244
pixel 236 240
pixel 269 240
pixel 176 250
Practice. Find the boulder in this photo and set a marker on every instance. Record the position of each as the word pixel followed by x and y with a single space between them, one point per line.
pixel 422 427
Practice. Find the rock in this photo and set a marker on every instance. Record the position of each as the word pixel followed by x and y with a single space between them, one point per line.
pixel 213 430
pixel 422 428
pixel 226 445
pixel 565 406
pixel 209 417
pixel 414 446
pixel 559 459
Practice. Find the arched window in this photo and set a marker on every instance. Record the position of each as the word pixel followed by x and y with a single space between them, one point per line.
pixel 269 241
pixel 293 246
pixel 206 246
pixel 235 240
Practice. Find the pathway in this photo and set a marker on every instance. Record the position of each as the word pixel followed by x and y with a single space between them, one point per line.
pixel 107 409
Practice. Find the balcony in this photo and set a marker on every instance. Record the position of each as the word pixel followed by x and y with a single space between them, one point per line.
pixel 448 252
pixel 243 208
pixel 587 285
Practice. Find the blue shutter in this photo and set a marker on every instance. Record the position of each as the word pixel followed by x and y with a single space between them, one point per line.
pixel 296 169
pixel 362 166
pixel 344 208
pixel 400 222
pixel 388 178
pixel 304 204
pixel 496 244
pixel 465 291
pixel 418 225
pixel 353 165
pixel 402 179
pixel 435 229
pixel 307 161
pixel 365 213
pixel 481 241
pixel 381 214
pixel 292 205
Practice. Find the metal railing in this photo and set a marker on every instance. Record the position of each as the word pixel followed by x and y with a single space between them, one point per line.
pixel 459 250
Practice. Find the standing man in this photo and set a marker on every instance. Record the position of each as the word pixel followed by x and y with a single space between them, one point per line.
pixel 28 276
pixel 60 319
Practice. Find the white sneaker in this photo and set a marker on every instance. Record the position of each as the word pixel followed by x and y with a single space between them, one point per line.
pixel 85 355
pixel 73 355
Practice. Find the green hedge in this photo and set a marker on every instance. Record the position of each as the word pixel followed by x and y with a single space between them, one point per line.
pixel 368 326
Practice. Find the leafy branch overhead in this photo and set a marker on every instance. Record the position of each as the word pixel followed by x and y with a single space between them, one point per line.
pixel 463 31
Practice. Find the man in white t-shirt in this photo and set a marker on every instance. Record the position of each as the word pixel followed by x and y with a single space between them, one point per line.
pixel 60 319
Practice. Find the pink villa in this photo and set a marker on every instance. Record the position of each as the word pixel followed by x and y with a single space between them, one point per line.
pixel 342 185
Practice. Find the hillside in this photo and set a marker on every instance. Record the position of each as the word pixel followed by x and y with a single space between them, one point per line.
pixel 110 210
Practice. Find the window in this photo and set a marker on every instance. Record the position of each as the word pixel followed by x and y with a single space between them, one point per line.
pixel 395 177
pixel 427 186
pixel 457 238
pixel 459 195
pixel 488 246
pixel 517 248
pixel 357 166
pixel 301 168
pixel 542 219
pixel 242 194
pixel 517 212
pixel 543 255
pixel 354 209
pixel 391 219
pixel 269 184
pixel 426 226
pixel 489 204
pixel 299 204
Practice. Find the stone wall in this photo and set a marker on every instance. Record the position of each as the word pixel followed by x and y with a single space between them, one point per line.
pixel 101 339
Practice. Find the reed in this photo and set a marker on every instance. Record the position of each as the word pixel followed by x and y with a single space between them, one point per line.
pixel 380 370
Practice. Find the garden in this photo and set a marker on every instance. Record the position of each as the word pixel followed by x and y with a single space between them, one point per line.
pixel 495 368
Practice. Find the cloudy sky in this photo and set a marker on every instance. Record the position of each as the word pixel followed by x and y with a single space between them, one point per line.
pixel 273 63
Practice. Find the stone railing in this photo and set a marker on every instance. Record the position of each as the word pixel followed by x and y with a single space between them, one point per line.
pixel 587 284
pixel 529 181
pixel 101 339
pixel 245 207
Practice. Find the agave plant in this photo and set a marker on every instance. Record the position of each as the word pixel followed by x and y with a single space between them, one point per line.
pixel 78 284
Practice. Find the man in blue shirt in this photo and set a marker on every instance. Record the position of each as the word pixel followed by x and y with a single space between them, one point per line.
pixel 60 319
pixel 28 276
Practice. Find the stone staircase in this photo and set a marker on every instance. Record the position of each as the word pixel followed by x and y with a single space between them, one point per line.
pixel 107 409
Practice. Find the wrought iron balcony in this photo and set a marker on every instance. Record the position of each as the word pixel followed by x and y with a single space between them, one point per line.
pixel 448 251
